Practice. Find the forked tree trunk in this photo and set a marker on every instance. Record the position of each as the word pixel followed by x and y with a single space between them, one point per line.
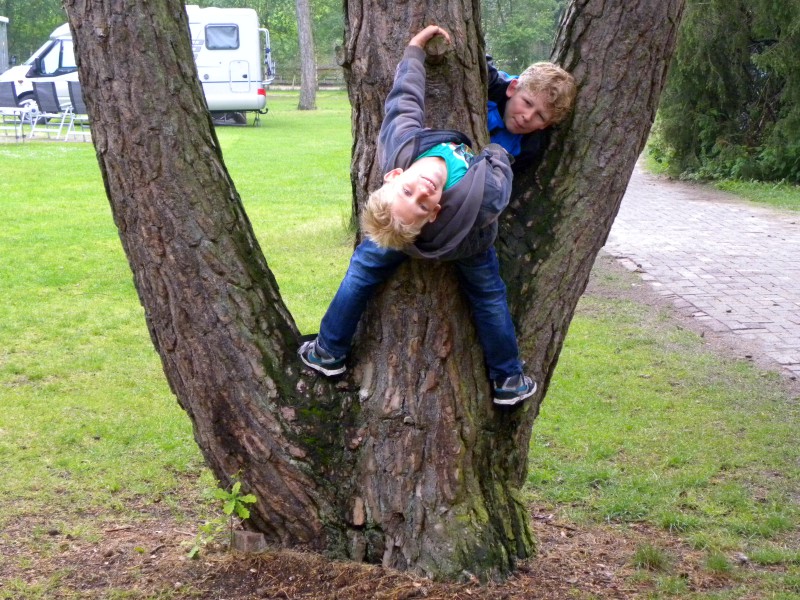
pixel 404 461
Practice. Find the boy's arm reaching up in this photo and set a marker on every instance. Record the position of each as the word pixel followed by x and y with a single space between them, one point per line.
pixel 405 105
pixel 427 34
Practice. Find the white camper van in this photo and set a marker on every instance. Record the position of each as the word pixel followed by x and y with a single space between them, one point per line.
pixel 232 54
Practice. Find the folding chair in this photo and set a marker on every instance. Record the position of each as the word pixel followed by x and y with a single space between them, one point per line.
pixel 14 115
pixel 79 115
pixel 50 109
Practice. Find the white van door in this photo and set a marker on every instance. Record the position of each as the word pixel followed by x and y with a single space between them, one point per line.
pixel 56 64
pixel 239 78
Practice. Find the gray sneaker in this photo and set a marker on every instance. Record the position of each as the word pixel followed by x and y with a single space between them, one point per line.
pixel 319 360
pixel 513 390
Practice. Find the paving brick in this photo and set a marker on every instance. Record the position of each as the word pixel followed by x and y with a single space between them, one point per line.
pixel 733 264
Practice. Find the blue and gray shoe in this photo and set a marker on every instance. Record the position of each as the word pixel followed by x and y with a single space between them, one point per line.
pixel 318 359
pixel 513 390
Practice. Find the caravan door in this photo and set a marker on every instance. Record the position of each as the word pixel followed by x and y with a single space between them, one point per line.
pixel 239 76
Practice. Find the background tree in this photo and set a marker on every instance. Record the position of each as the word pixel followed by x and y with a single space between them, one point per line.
pixel 404 461
pixel 30 24
pixel 732 104
pixel 308 63
pixel 520 32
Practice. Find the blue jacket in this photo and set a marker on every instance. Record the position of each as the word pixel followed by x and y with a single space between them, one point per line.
pixel 467 222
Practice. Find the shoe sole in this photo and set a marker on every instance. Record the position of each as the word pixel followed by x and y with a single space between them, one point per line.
pixel 517 399
pixel 319 368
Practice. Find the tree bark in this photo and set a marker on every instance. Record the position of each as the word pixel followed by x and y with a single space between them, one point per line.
pixel 448 451
pixel 560 217
pixel 404 461
pixel 308 61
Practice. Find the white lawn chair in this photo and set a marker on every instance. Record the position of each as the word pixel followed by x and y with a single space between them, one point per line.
pixel 51 116
pixel 14 115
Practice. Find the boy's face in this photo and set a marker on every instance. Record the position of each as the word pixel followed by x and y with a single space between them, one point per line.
pixel 526 112
pixel 417 191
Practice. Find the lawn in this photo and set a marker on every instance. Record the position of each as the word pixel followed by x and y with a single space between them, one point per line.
pixel 779 195
pixel 645 436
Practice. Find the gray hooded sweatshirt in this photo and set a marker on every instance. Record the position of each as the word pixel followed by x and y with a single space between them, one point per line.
pixel 467 222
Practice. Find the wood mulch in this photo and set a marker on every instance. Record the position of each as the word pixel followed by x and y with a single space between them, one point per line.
pixel 149 560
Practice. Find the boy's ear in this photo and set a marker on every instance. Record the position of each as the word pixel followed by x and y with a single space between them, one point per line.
pixel 392 174
pixel 435 213
pixel 512 87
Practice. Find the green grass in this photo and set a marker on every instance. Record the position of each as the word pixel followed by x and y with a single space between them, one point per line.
pixel 651 558
pixel 293 174
pixel 644 425
pixel 641 423
pixel 778 195
pixel 718 563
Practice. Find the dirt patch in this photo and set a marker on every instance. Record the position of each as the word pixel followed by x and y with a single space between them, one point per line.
pixel 149 560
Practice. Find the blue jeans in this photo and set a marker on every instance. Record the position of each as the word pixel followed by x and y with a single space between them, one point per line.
pixel 480 280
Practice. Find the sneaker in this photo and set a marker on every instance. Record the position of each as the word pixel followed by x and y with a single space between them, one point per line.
pixel 319 360
pixel 513 390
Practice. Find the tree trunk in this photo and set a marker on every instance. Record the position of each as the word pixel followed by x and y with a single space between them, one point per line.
pixel 560 217
pixel 308 62
pixel 449 453
pixel 404 461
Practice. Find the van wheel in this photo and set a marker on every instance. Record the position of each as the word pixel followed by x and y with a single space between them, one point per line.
pixel 28 100
pixel 229 118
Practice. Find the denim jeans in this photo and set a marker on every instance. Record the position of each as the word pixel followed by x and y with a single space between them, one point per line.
pixel 480 280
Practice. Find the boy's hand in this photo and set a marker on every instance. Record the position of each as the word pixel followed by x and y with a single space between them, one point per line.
pixel 427 34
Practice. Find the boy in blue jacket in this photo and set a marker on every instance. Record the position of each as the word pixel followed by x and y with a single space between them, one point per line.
pixel 439 200
pixel 522 110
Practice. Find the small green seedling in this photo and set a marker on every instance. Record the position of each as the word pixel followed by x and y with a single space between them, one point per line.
pixel 234 509
pixel 234 503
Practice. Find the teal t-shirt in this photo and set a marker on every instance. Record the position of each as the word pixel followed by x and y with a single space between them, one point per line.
pixel 457 158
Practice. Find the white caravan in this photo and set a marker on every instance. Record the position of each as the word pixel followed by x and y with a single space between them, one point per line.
pixel 232 54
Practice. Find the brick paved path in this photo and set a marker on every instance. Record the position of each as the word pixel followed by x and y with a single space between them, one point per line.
pixel 732 265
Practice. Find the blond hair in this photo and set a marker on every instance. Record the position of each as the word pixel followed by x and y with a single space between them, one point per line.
pixel 557 85
pixel 380 225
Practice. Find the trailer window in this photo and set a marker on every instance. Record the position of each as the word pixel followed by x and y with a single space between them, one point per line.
pixel 222 37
